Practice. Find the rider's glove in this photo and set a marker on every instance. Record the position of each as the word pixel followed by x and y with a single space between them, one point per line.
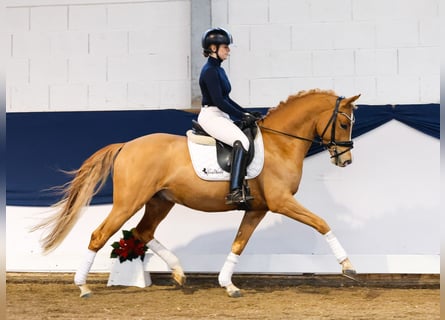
pixel 249 119
pixel 258 115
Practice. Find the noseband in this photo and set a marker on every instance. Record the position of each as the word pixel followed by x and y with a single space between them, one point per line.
pixel 319 140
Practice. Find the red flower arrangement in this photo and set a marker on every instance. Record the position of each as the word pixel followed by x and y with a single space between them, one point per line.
pixel 128 248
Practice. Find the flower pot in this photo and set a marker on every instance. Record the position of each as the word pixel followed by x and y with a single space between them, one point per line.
pixel 129 273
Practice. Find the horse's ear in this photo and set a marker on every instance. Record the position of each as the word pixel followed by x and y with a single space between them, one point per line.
pixel 349 101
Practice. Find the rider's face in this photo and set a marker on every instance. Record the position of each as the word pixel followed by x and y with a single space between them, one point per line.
pixel 223 51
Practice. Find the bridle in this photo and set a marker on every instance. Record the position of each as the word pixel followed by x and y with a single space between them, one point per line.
pixel 332 144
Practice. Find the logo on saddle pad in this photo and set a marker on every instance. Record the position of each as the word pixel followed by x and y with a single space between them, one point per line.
pixel 203 152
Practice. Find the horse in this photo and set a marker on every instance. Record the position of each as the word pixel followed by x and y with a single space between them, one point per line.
pixel 155 171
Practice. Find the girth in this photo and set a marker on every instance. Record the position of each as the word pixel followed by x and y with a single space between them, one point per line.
pixel 224 151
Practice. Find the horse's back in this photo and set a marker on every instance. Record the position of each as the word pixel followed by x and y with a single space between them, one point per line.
pixel 157 138
pixel 156 146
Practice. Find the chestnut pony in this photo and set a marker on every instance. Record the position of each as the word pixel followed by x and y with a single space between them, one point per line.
pixel 155 171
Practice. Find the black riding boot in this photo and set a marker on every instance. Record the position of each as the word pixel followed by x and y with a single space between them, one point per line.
pixel 237 194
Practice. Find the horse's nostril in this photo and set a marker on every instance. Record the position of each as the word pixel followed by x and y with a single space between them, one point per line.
pixel 347 162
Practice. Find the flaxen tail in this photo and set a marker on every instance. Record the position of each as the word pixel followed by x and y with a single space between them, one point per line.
pixel 87 181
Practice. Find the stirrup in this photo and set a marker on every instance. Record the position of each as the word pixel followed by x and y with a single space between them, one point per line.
pixel 234 197
pixel 238 196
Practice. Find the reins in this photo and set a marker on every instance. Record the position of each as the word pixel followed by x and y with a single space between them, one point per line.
pixel 286 134
pixel 319 140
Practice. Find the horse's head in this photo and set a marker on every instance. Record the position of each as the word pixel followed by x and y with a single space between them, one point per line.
pixel 332 123
pixel 335 130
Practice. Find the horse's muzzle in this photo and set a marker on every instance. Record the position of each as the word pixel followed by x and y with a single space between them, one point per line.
pixel 341 163
pixel 346 163
pixel 342 158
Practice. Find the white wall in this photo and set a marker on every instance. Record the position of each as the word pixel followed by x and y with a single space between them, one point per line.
pixel 110 54
pixel 388 50
pixel 85 55
pixel 384 208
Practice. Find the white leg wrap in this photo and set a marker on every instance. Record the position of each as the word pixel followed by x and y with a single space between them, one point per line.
pixel 225 275
pixel 80 278
pixel 336 247
pixel 166 255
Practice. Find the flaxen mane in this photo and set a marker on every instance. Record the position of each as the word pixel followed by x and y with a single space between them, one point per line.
pixel 300 94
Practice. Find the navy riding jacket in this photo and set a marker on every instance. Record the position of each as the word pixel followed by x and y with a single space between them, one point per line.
pixel 215 89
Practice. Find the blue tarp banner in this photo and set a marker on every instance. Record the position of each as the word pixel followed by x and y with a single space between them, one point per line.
pixel 41 144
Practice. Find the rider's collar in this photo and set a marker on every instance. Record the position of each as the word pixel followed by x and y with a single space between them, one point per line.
pixel 215 61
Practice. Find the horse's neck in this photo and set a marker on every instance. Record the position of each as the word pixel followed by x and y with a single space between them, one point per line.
pixel 282 146
pixel 298 119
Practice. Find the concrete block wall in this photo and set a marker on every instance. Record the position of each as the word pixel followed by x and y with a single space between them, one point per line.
pixel 123 54
pixel 98 55
pixel 387 50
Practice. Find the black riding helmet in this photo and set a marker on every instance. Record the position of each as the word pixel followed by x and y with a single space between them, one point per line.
pixel 216 36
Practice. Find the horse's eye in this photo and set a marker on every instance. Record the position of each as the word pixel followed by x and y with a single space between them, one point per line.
pixel 343 126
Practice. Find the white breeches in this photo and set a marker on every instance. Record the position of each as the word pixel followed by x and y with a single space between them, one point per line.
pixel 219 125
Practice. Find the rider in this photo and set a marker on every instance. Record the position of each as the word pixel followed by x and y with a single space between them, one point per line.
pixel 218 108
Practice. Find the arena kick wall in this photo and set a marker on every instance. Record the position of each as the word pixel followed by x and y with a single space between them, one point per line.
pixel 384 208
pixel 81 55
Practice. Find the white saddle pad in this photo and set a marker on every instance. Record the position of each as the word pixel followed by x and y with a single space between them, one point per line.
pixel 203 154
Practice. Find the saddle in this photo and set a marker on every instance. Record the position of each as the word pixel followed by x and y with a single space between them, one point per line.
pixel 224 151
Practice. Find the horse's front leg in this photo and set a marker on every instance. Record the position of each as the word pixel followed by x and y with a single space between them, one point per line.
pixel 294 210
pixel 250 221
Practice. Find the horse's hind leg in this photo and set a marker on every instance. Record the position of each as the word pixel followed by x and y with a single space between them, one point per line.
pixel 115 219
pixel 249 223
pixel 155 211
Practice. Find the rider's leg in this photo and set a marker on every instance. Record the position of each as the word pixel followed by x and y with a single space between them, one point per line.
pixel 219 125
pixel 237 175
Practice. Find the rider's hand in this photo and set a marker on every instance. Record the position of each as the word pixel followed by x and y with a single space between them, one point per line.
pixel 249 119
pixel 258 115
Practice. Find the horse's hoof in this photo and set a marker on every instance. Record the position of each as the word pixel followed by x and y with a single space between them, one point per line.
pixel 348 270
pixel 179 278
pixel 350 274
pixel 85 292
pixel 233 291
